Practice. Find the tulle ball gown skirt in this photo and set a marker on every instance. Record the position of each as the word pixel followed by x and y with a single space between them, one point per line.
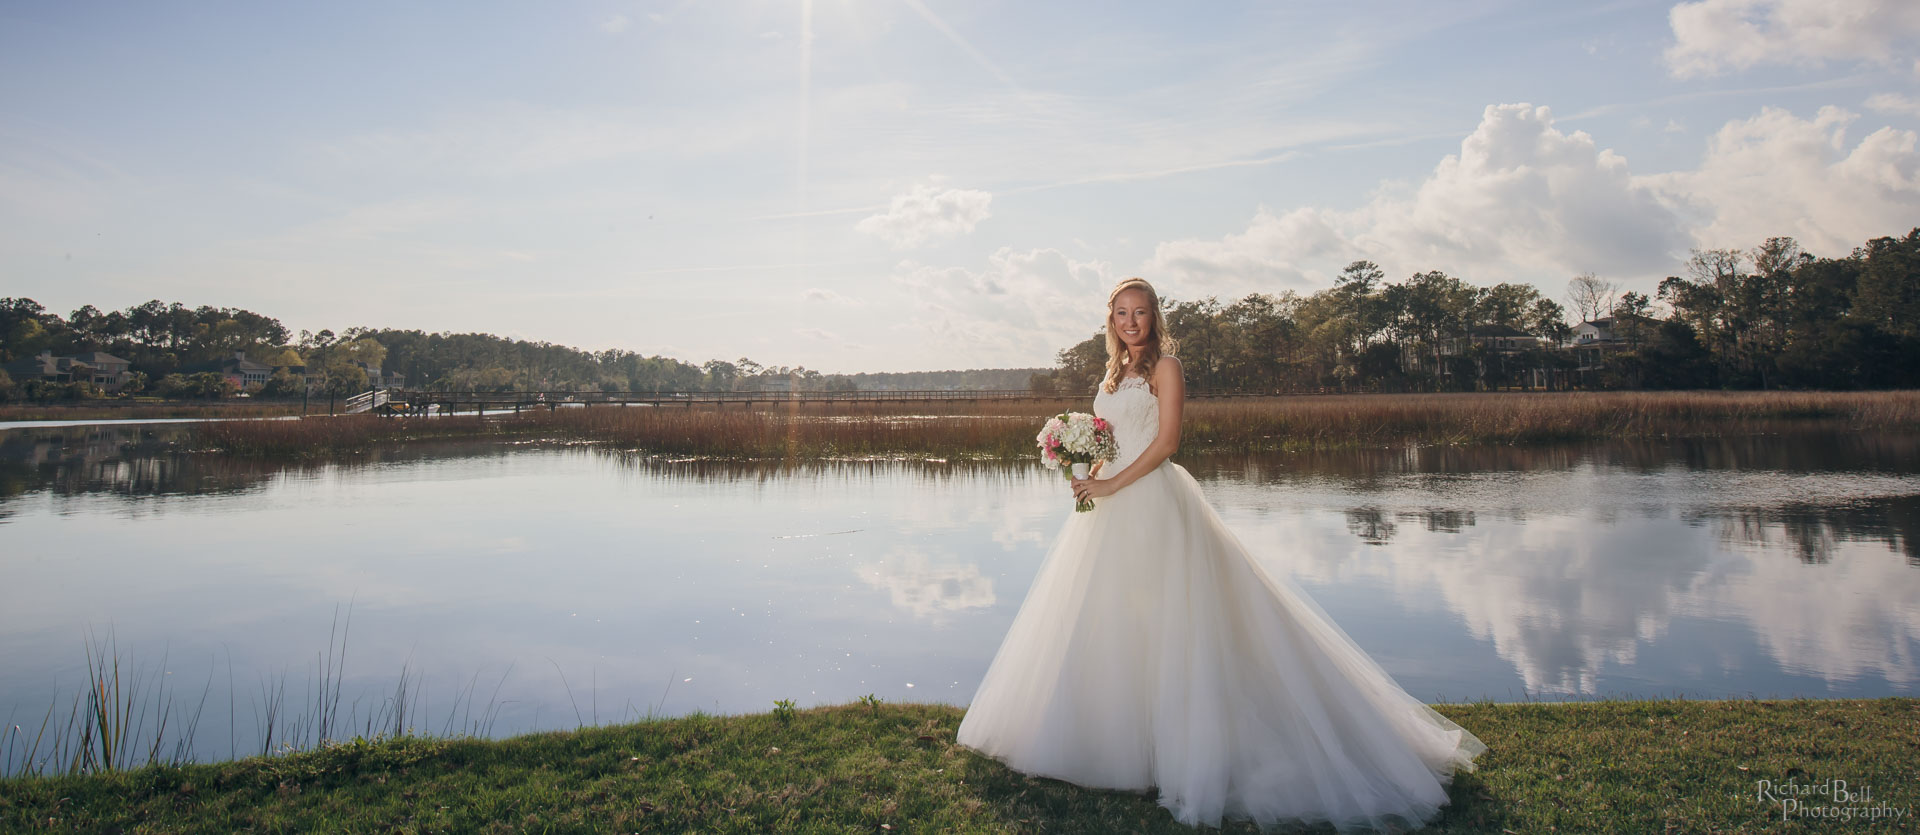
pixel 1153 652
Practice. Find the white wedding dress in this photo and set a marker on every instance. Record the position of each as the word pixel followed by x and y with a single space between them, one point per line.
pixel 1153 651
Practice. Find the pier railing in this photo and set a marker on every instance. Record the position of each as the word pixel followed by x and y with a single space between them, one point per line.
pixel 368 400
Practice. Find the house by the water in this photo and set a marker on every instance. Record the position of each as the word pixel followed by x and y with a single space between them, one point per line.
pixel 104 370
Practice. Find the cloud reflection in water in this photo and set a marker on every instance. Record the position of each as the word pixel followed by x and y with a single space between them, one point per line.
pixel 1709 568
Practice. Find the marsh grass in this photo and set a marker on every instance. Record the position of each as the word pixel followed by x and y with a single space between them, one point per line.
pixel 118 720
pixel 149 410
pixel 1005 430
pixel 127 717
pixel 1598 766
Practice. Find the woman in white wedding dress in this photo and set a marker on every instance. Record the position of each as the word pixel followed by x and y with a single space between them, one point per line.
pixel 1154 652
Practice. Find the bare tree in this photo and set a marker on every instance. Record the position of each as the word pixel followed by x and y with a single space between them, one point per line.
pixel 1715 267
pixel 1590 296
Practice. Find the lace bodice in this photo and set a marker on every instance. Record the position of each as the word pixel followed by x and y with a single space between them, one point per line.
pixel 1134 412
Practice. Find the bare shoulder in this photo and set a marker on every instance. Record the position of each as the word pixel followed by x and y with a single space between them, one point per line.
pixel 1169 376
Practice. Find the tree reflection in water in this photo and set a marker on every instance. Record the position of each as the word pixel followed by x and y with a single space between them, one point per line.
pixel 1715 564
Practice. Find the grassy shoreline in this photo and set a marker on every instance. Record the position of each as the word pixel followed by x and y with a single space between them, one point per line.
pixel 1004 431
pixel 1683 765
pixel 155 409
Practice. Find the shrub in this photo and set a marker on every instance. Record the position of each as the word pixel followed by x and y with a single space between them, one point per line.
pixel 283 383
pixel 205 385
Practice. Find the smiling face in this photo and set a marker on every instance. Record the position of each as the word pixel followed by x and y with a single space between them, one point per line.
pixel 1132 318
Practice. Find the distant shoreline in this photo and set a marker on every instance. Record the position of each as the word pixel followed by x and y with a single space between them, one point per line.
pixel 1005 430
pixel 146 408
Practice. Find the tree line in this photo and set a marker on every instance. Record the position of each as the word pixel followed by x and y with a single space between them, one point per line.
pixel 1773 316
pixel 166 343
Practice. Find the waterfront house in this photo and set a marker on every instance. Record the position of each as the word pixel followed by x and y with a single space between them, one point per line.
pixel 238 370
pixel 1513 354
pixel 101 369
pixel 1624 331
pixel 1591 342
pixel 42 366
pixel 108 371
pixel 378 379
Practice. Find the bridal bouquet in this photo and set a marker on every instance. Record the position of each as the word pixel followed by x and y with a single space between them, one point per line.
pixel 1078 439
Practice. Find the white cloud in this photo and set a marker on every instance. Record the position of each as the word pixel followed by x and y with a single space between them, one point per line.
pixel 826 296
pixel 925 215
pixel 1521 573
pixel 929 590
pixel 1873 635
pixel 1778 174
pixel 1020 310
pixel 1896 103
pixel 1713 36
pixel 1275 250
pixel 1520 197
pixel 615 25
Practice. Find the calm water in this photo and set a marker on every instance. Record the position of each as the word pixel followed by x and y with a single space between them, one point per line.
pixel 523 572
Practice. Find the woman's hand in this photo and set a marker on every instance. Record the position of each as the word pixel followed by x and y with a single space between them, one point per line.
pixel 1092 488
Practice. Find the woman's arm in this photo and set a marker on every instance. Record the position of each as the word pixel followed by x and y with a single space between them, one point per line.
pixel 1171 388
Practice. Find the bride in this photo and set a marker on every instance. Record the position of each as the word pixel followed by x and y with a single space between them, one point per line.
pixel 1154 652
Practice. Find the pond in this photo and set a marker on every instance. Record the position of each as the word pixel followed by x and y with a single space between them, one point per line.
pixel 514 587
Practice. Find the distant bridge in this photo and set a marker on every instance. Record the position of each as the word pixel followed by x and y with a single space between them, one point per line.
pixel 404 402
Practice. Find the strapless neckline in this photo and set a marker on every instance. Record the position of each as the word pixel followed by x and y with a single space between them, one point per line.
pixel 1134 412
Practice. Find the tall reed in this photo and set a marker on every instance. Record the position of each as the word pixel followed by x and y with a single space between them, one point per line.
pixel 119 721
pixel 125 719
pixel 1004 430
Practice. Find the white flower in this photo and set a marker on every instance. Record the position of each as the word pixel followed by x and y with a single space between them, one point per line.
pixel 1077 438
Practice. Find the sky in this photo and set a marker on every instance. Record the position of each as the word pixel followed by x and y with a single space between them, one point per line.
pixel 900 185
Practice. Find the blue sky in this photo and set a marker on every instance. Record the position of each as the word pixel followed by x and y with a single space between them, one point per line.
pixel 891 185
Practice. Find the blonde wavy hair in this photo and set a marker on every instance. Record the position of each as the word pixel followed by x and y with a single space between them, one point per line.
pixel 1159 342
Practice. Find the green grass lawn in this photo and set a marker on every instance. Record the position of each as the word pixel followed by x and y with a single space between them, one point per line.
pixel 1632 766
